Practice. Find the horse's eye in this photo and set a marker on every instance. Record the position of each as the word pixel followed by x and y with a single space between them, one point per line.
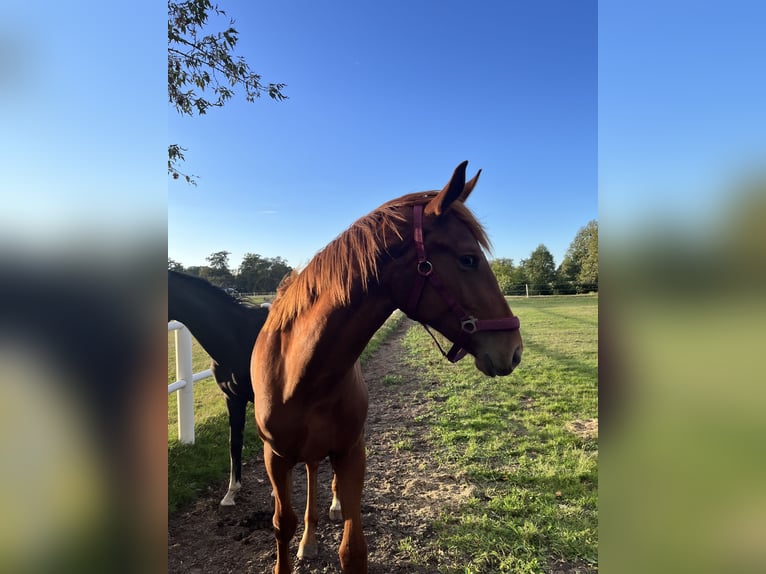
pixel 469 261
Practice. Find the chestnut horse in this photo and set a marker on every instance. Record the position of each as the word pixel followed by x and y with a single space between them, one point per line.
pixel 422 253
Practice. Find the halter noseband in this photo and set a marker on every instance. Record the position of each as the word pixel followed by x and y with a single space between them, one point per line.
pixel 468 323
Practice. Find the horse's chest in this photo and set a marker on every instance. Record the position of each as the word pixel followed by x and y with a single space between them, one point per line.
pixel 311 432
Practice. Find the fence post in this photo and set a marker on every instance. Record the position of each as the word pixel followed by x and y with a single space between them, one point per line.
pixel 185 371
pixel 527 287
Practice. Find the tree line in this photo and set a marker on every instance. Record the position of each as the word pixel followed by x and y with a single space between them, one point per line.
pixel 256 274
pixel 536 275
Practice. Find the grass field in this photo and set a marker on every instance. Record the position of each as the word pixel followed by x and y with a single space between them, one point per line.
pixel 526 444
pixel 534 507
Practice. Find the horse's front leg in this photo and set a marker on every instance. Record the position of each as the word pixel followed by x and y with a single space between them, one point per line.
pixel 349 471
pixel 285 520
pixel 236 407
pixel 308 546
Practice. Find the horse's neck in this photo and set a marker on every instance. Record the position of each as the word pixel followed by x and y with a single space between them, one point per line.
pixel 345 330
pixel 214 327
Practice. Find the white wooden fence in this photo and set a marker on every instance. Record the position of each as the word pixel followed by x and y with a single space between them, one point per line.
pixel 185 379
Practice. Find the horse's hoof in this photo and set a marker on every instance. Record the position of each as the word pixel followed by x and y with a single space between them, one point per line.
pixel 307 552
pixel 335 514
pixel 228 500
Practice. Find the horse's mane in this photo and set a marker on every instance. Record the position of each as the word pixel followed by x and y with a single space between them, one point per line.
pixel 354 253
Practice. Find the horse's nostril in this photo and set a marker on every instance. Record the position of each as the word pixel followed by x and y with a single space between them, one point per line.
pixel 516 357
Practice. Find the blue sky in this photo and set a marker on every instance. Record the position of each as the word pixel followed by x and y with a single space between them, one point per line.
pixel 386 99
pixel 667 96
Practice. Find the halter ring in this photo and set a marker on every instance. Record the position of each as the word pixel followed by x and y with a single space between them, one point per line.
pixel 469 325
pixel 425 268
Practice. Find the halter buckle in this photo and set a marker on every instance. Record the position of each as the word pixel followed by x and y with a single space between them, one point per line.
pixel 425 268
pixel 469 325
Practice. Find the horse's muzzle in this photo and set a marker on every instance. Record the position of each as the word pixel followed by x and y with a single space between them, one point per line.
pixel 498 367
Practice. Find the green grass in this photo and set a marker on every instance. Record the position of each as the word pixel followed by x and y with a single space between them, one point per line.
pixel 258 299
pixel 535 483
pixel 193 468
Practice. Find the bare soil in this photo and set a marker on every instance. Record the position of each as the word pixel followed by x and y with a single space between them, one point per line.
pixel 403 492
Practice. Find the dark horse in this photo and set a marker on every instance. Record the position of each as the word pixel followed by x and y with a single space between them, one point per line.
pixel 227 330
pixel 422 253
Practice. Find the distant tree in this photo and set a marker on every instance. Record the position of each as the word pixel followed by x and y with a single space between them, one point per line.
pixel 510 278
pixel 200 63
pixel 219 273
pixel 503 269
pixel 250 273
pixel 174 265
pixel 540 270
pixel 580 264
pixel 219 260
pixel 259 274
pixel 198 271
pixel 518 280
pixel 277 271
pixel 568 270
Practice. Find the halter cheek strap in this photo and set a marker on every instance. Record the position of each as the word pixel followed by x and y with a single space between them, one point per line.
pixel 468 323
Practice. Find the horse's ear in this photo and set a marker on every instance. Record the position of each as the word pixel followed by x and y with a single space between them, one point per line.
pixel 469 185
pixel 452 191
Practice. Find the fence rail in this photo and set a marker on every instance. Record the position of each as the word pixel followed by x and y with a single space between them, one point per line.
pixel 185 379
pixel 548 288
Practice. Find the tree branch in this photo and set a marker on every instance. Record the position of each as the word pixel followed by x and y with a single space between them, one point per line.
pixel 198 68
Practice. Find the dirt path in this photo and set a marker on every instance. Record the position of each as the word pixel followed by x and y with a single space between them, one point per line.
pixel 403 492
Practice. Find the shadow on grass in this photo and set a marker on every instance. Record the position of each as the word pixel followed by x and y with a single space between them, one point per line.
pixel 564 361
pixel 590 323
